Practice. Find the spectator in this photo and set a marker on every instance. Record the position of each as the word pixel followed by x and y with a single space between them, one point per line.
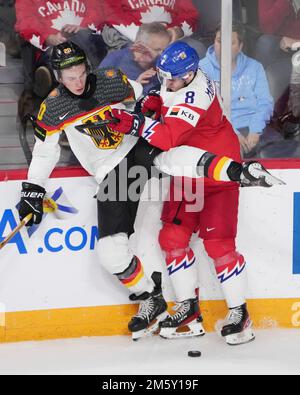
pixel 7 34
pixel 289 122
pixel 124 17
pixel 280 22
pixel 294 102
pixel 252 103
pixel 44 24
pixel 211 16
pixel 138 61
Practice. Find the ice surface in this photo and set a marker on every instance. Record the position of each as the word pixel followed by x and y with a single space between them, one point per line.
pixel 273 352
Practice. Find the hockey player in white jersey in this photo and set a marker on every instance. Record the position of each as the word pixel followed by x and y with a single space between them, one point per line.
pixel 75 107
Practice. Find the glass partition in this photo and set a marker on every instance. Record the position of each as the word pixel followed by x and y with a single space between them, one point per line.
pixel 265 75
pixel 256 65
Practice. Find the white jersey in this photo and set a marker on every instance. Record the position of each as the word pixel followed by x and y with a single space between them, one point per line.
pixel 63 112
pixel 193 116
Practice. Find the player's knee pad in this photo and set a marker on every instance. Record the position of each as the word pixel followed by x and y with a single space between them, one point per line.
pixel 224 254
pixel 174 239
pixel 219 248
pixel 114 253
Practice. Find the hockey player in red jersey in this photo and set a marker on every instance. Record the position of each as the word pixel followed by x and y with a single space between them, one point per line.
pixel 188 113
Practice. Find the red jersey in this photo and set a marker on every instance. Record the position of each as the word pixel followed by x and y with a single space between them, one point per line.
pixel 37 20
pixel 280 17
pixel 127 16
pixel 193 116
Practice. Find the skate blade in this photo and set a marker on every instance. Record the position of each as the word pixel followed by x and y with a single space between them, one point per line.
pixel 218 327
pixel 237 339
pixel 150 331
pixel 192 329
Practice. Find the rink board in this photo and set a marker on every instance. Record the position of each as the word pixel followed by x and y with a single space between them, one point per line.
pixel 51 285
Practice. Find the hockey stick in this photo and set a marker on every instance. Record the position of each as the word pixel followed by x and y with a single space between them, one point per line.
pixel 16 230
pixel 46 203
pixel 95 126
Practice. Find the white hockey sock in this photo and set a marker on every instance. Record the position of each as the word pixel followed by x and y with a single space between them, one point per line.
pixel 183 275
pixel 233 280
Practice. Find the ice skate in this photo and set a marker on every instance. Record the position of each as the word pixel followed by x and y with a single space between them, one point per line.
pixel 237 328
pixel 152 310
pixel 186 322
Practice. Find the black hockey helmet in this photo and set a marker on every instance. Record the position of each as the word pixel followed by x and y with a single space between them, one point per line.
pixel 67 55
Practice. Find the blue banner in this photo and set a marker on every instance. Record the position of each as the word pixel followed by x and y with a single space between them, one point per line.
pixel 296 241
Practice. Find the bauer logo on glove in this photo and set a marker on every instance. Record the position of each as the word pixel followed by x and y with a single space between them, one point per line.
pixel 32 197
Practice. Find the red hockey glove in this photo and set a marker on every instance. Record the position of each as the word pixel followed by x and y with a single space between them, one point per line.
pixel 150 105
pixel 129 122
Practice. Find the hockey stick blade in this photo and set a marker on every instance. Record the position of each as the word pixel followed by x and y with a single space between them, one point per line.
pixel 265 180
pixel 16 230
pixel 276 181
pixel 270 179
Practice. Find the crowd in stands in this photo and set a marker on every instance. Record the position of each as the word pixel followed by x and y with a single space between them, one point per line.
pixel 138 59
pixel 279 21
pixel 251 102
pixel 131 34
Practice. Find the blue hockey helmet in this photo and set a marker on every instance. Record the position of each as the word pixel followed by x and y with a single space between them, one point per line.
pixel 176 61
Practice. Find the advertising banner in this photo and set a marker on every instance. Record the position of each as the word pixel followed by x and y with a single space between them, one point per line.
pixel 55 266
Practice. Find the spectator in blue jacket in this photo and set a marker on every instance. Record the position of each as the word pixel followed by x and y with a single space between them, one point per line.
pixel 138 60
pixel 251 102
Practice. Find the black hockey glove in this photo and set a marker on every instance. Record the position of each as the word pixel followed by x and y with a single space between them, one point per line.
pixel 32 197
pixel 252 174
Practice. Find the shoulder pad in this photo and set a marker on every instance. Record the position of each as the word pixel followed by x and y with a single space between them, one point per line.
pixel 54 93
pixel 112 86
pixel 56 105
pixel 200 93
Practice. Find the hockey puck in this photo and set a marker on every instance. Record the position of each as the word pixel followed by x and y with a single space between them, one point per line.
pixel 194 354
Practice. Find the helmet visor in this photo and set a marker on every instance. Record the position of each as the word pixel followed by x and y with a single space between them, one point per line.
pixel 164 76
